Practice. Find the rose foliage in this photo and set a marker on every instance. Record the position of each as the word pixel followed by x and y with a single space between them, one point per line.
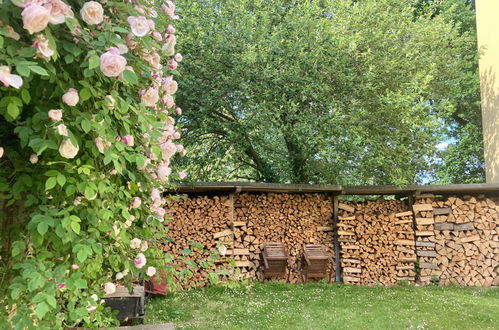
pixel 87 135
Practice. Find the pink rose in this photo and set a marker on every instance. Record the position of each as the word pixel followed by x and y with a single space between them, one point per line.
pixel 169 8
pixel 92 13
pixel 150 97
pixel 62 130
pixel 35 17
pixel 55 114
pixel 170 29
pixel 170 86
pixel 1 152
pixel 157 36
pixel 67 149
pixel 109 288
pixel 163 173
pixel 33 159
pixel 172 64
pixel 140 260
pixel 58 11
pixel 169 45
pixel 11 33
pixel 101 144
pixel 136 202
pixel 112 64
pixel 9 79
pixel 128 140
pixel 42 48
pixel 75 266
pixel 155 194
pixel 178 57
pixel 135 243
pixel 178 110
pixel 160 212
pixel 168 101
pixel 144 246
pixel 71 97
pixel 61 286
pixel 182 174
pixel 140 25
pixel 151 271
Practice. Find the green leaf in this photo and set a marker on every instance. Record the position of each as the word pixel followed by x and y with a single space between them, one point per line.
pixel 38 69
pixel 85 94
pixel 42 228
pixel 51 301
pixel 75 226
pixel 61 180
pixel 41 309
pixel 86 125
pixel 82 255
pixel 131 77
pixel 25 96
pixel 93 62
pixel 13 110
pixel 70 190
pixel 81 283
pixel 50 183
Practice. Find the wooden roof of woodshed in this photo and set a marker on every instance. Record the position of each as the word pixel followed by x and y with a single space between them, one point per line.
pixel 217 187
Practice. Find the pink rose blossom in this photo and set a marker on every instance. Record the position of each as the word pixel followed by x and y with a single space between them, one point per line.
pixel 150 97
pixel 169 8
pixel 35 17
pixel 109 288
pixel 170 29
pixel 55 115
pixel 58 11
pixel 92 13
pixel 172 64
pixel 112 64
pixel 151 271
pixel 33 159
pixel 169 45
pixel 157 36
pixel 144 246
pixel 75 266
pixel 178 110
pixel 11 33
pixel 155 194
pixel 67 149
pixel 42 48
pixel 163 173
pixel 62 130
pixel 170 86
pixel 140 260
pixel 61 286
pixel 136 202
pixel 128 140
pixel 140 25
pixel 178 57
pixel 71 97
pixel 160 212
pixel 135 243
pixel 9 79
pixel 182 174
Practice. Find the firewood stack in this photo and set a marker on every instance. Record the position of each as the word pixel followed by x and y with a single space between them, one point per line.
pixel 201 220
pixel 467 240
pixel 425 237
pixel 370 254
pixel 294 219
pixel 405 246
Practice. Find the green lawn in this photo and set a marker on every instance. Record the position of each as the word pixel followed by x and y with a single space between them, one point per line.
pixel 328 306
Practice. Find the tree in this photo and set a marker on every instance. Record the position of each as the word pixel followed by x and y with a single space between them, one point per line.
pixel 317 91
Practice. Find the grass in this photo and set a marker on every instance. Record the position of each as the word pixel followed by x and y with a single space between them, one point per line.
pixel 328 306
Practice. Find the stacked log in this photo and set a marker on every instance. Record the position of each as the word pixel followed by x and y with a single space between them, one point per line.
pixel 405 242
pixel 467 240
pixel 294 219
pixel 368 241
pixel 199 220
pixel 425 237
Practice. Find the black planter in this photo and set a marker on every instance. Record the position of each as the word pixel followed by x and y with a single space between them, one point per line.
pixel 129 305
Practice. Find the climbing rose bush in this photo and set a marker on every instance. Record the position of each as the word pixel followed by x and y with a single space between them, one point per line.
pixel 87 135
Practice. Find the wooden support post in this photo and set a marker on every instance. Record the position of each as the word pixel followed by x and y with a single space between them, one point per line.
pixel 336 242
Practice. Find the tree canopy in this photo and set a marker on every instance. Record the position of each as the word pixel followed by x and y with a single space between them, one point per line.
pixel 340 91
